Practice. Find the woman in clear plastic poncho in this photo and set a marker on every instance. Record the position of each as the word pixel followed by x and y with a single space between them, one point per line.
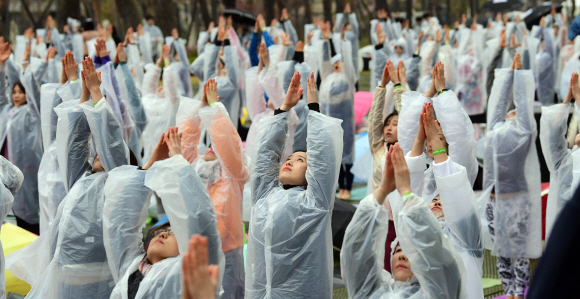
pixel 78 265
pixel 153 269
pixel 351 34
pixel 223 172
pixel 385 51
pixel 454 205
pixel 511 198
pixel 20 135
pixel 161 104
pixel 181 59
pixel 289 243
pixel 423 261
pixel 129 90
pixel 383 129
pixel 470 85
pixel 10 181
pixel 337 100
pixel 563 163
pixel 222 64
pixel 51 189
pixel 454 128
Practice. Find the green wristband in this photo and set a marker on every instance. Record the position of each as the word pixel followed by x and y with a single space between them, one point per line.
pixel 95 104
pixel 166 63
pixel 442 91
pixel 398 86
pixel 407 195
pixel 210 104
pixel 439 151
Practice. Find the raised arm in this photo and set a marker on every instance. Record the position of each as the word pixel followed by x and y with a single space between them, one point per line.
pixel 376 138
pixel 460 207
pixel 347 63
pixel 524 87
pixel 72 142
pixel 32 88
pixel 185 199
pixel 254 93
pixel 363 250
pixel 553 127
pixel 10 182
pixel 409 116
pixel 51 71
pixel 324 143
pixel 499 96
pixel 4 56
pixel 189 125
pixel 434 261
pixel 224 135
pixel 151 79
pixel 232 61
pixel 124 214
pixel 106 132
pixel 456 126
pixel 268 150
pixel 134 96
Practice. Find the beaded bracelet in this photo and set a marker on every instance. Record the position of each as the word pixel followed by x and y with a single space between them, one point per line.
pixel 439 151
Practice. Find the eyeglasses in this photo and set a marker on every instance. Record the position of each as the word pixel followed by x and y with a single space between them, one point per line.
pixel 165 230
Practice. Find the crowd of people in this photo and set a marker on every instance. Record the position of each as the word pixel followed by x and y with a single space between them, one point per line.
pixel 92 143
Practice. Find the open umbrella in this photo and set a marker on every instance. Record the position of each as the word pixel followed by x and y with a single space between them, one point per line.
pixel 240 16
pixel 534 15
pixel 502 5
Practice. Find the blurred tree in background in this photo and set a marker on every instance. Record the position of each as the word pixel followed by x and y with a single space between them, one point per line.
pixel 192 16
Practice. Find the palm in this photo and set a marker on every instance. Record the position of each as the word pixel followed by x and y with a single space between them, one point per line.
pixel 161 152
pixel 576 91
pixel 5 53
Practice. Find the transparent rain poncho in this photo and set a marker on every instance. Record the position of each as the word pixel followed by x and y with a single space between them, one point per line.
pixel 51 188
pixel 298 124
pixel 228 85
pixel 78 265
pixel 21 130
pixel 511 168
pixel 461 223
pixel 188 207
pixel 457 129
pixel 179 47
pixel 336 95
pixel 544 72
pixel 290 243
pixel 134 62
pixel 437 268
pixel 112 93
pixel 352 36
pixel 561 161
pixel 470 86
pixel 267 82
pixel 160 107
pixel 130 92
pixel 10 182
pixel 224 179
